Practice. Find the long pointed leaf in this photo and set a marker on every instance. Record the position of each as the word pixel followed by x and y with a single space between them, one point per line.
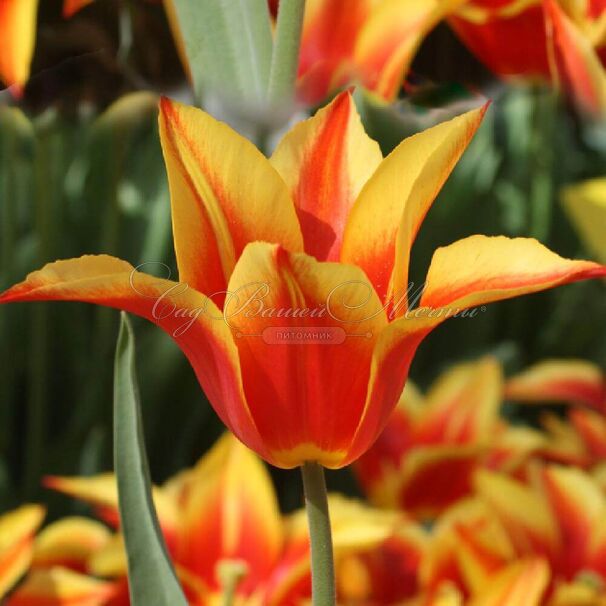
pixel 151 576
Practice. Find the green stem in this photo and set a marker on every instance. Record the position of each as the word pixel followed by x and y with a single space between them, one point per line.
pixel 322 563
pixel 285 56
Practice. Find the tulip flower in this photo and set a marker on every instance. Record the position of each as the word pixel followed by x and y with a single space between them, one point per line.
pixel 363 42
pixel 555 517
pixel 17 531
pixel 17 39
pixel 580 437
pixel 585 204
pixel 566 381
pixel 223 516
pixel 555 41
pixel 71 7
pixel 425 459
pixel 18 20
pixel 44 558
pixel 292 302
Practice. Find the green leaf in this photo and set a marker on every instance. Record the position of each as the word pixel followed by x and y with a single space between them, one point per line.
pixel 228 44
pixel 151 576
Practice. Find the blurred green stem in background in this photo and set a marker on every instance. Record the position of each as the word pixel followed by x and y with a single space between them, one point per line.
pixel 49 154
pixel 285 56
pixel 542 190
pixel 320 535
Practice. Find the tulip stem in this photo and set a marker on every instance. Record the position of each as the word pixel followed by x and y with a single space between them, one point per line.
pixel 285 56
pixel 322 564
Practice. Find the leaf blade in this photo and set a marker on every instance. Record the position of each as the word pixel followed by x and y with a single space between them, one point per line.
pixel 151 576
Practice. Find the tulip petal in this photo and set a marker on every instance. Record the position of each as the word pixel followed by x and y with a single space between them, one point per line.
pixel 61 587
pixel 482 269
pixel 305 332
pixel 110 561
pixel 521 584
pixel 488 35
pixel 229 512
pixel 101 492
pixel 389 39
pixel 468 273
pixel 591 426
pixel 434 478
pixel 69 543
pixel 387 215
pixel 190 318
pixel 17 529
pixel 224 194
pixel 580 507
pixel 325 161
pixel 463 405
pixel 586 206
pixel 526 516
pixel 579 67
pixel 327 45
pixel 392 445
pixel 17 39
pixel 568 381
pixel 71 7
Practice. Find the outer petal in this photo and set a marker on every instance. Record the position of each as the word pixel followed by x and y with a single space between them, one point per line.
pixel 305 335
pixel 487 28
pixel 433 478
pixel 392 205
pixel 390 38
pixel 521 584
pixel 325 161
pixel 186 315
pixel 591 426
pixel 468 273
pixel 71 7
pixel 61 587
pixel 17 39
pixel 327 45
pixel 17 529
pixel 570 381
pixel 69 543
pixel 463 405
pixel 579 67
pixel 469 545
pixel 229 511
pixel 101 491
pixel 481 269
pixel 586 206
pixel 529 521
pixel 379 464
pixel 580 508
pixel 224 194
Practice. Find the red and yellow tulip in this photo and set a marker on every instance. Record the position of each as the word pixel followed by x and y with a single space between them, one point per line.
pixel 580 437
pixel 227 521
pixel 292 301
pixel 576 382
pixel 17 533
pixel 425 459
pixel 555 518
pixel 555 40
pixel 17 40
pixel 366 42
